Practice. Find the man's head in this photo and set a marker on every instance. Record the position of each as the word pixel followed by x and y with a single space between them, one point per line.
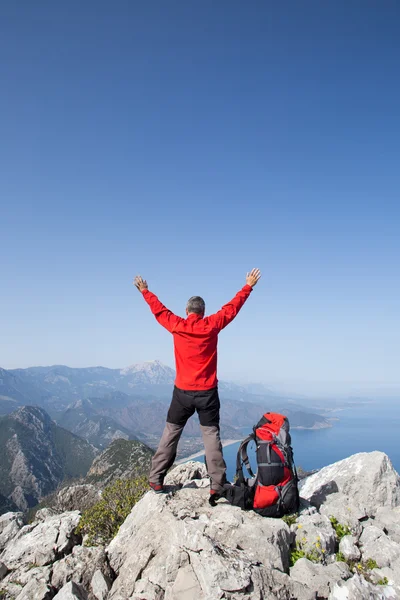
pixel 196 305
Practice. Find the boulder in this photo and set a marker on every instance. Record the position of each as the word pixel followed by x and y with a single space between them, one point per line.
pixel 77 497
pixel 375 544
pixel 24 575
pixel 10 524
pixel 176 544
pixel 354 488
pixel 71 591
pixel 186 472
pixel 392 575
pixel 36 590
pixel 42 543
pixel 318 578
pixel 100 585
pixel 314 533
pixel 357 588
pixel 81 566
pixel 388 519
pixel 349 549
pixel 45 513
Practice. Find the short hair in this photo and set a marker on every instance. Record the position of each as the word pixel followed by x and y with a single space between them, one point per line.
pixel 196 305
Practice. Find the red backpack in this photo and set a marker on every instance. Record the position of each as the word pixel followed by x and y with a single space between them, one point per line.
pixel 272 491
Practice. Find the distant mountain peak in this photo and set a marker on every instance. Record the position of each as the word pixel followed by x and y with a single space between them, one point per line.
pixel 149 365
pixel 152 371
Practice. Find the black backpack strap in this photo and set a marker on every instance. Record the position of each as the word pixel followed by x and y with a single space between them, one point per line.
pixel 242 458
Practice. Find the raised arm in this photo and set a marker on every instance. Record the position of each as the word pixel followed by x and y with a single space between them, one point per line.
pixel 229 311
pixel 165 317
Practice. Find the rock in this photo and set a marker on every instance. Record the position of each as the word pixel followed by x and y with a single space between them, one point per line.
pixel 42 543
pixel 186 472
pixel 36 590
pixel 392 575
pixel 24 575
pixel 169 533
pixel 375 544
pixel 318 578
pixel 45 513
pixel 314 533
pixel 77 497
pixel 348 548
pixel 71 591
pixel 354 488
pixel 186 585
pixel 80 566
pixel 10 524
pixel 357 588
pixel 388 519
pixel 100 585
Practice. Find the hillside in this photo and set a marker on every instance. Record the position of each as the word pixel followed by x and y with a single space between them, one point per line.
pixel 124 459
pixel 37 455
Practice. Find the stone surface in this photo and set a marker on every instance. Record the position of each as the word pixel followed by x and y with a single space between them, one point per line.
pixel 348 548
pixel 375 544
pixel 71 591
pixel 319 578
pixel 357 588
pixel 359 484
pixel 42 543
pixel 100 585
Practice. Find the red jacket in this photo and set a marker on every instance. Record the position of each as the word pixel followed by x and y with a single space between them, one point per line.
pixel 195 339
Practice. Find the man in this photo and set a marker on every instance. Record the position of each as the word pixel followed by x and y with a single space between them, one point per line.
pixel 195 344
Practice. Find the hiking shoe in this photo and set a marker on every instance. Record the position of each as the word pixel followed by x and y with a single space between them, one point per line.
pixel 214 496
pixel 158 488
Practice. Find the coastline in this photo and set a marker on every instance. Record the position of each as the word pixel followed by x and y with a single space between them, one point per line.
pixel 201 452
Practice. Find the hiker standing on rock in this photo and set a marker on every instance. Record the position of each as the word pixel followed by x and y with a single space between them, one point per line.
pixel 196 384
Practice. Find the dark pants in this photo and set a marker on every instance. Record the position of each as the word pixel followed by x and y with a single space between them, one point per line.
pixel 183 405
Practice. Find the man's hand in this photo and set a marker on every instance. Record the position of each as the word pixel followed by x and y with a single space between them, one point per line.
pixel 253 277
pixel 140 283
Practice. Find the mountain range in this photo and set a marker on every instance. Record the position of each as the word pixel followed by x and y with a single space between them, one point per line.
pixel 100 404
pixel 57 420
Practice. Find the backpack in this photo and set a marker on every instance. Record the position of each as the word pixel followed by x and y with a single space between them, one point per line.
pixel 273 490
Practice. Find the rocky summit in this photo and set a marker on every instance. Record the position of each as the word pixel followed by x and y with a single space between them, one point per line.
pixel 343 545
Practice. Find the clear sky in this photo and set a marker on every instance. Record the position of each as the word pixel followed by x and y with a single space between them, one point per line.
pixel 188 142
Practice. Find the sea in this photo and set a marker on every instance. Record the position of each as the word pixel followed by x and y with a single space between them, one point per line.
pixel 361 428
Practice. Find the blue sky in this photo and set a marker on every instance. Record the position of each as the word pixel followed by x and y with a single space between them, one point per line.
pixel 189 142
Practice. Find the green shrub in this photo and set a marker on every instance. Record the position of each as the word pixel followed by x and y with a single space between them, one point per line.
pixel 102 521
pixel 341 530
pixel 295 554
pixel 340 557
pixel 383 581
pixel 290 519
pixel 370 564
pixel 316 554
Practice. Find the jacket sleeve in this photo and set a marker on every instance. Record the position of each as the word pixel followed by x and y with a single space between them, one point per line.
pixel 165 317
pixel 228 312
